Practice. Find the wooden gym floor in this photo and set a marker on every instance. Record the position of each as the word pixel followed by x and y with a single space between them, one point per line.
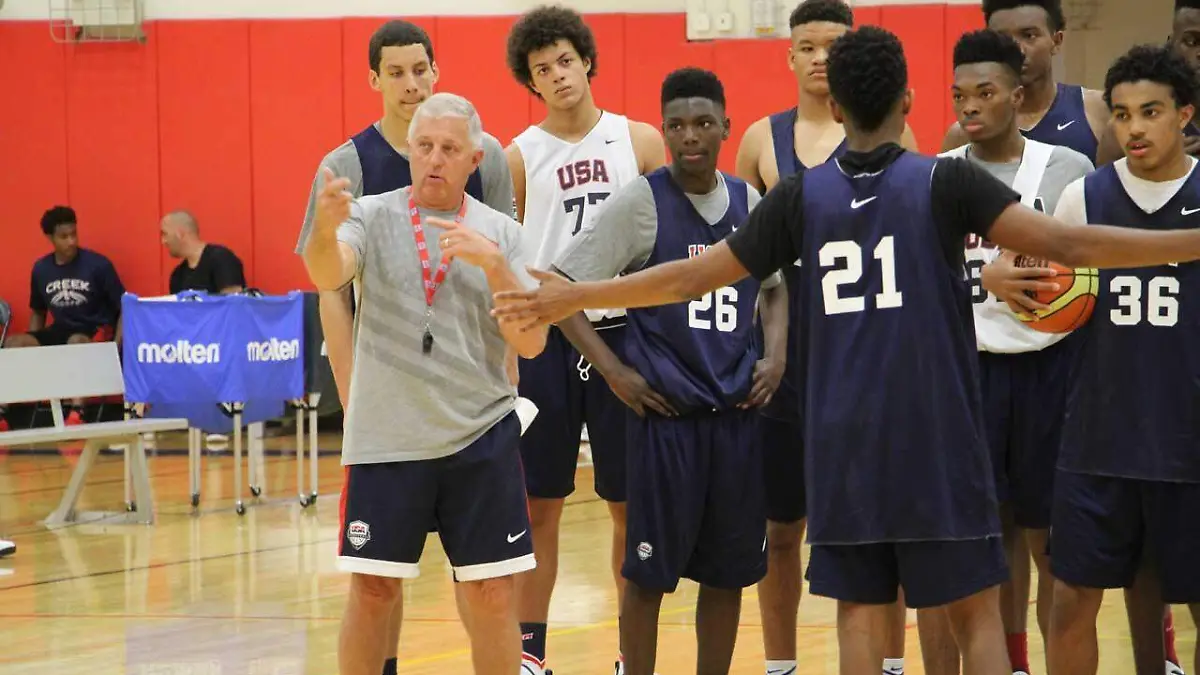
pixel 212 593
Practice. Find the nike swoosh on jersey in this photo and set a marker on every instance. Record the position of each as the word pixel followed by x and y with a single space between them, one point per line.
pixel 514 537
pixel 855 203
pixel 1185 211
pixel 1064 126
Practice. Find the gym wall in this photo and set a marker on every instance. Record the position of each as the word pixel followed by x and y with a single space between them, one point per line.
pixel 229 105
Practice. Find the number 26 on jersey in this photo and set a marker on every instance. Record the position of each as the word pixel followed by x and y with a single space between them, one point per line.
pixel 848 259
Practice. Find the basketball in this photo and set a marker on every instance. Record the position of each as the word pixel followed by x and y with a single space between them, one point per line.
pixel 1071 305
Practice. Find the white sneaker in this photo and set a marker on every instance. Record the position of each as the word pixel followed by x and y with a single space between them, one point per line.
pixel 1172 669
pixel 532 668
pixel 7 547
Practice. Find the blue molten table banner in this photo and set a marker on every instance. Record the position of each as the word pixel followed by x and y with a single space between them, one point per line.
pixel 215 349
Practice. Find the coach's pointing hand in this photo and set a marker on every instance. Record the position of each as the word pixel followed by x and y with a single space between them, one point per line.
pixel 551 302
pixel 333 202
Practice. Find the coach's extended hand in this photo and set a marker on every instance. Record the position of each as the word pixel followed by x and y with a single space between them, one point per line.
pixel 552 301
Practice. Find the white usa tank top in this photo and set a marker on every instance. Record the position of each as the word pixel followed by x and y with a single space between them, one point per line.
pixel 566 183
pixel 997 329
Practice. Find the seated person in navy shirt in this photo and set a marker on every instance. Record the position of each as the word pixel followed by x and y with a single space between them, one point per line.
pixel 205 267
pixel 75 287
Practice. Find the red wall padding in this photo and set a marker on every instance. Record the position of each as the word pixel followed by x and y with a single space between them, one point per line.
pixel 205 167
pixel 33 147
pixel 123 132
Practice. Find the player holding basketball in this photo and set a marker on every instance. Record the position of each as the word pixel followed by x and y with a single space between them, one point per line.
pixel 1128 486
pixel 563 169
pixel 1023 372
pixel 892 390
pixel 376 160
pixel 772 149
pixel 1051 112
pixel 695 480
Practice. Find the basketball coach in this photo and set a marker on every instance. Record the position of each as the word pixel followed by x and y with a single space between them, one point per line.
pixel 431 433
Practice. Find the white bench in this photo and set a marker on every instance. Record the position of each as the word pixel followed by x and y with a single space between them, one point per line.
pixel 80 371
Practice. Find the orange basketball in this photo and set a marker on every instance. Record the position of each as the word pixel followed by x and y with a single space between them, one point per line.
pixel 1071 305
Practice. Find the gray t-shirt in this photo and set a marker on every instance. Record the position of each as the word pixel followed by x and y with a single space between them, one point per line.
pixel 344 161
pixel 621 237
pixel 406 405
pixel 1065 167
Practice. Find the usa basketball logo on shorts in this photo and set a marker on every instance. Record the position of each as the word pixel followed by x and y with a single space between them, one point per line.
pixel 645 550
pixel 358 534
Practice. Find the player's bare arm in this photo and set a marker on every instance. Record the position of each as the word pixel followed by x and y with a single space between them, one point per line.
pixel 1096 111
pixel 460 242
pixel 678 281
pixel 773 307
pixel 1034 233
pixel 337 327
pixel 648 146
pixel 37 321
pixel 331 264
pixel 516 166
pixel 749 154
pixel 625 382
pixel 955 138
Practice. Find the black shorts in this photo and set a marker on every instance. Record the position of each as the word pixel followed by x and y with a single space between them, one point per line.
pixel 1024 406
pixel 783 469
pixel 474 499
pixel 1105 527
pixel 56 334
pixel 570 393
pixel 932 573
pixel 695 501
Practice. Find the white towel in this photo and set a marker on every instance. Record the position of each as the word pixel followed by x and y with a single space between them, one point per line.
pixel 526 412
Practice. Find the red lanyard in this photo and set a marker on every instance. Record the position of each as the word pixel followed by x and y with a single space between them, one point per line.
pixel 431 284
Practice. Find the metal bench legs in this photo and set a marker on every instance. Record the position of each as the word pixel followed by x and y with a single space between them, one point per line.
pixel 136 465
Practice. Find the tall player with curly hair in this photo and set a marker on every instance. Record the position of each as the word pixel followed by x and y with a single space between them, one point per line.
pixel 563 169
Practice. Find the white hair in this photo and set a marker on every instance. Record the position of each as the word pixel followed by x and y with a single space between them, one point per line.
pixel 449 105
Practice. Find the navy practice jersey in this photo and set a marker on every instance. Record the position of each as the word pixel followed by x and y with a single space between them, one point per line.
pixel 82 295
pixel 785 404
pixel 1066 123
pixel 384 169
pixel 1133 405
pixel 699 354
pixel 892 394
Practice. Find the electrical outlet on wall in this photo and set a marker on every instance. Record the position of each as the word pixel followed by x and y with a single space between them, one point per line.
pixel 725 22
pixel 700 23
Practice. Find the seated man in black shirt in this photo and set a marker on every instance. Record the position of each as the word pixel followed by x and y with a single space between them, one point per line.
pixel 205 267
pixel 891 386
pixel 75 287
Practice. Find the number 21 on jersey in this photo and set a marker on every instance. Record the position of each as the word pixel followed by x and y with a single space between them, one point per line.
pixel 848 258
